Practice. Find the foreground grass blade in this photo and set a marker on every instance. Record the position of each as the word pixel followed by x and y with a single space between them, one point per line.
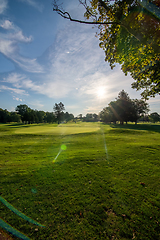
pixel 13 209
pixel 12 230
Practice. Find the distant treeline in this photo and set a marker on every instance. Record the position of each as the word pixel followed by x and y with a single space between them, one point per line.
pixel 25 114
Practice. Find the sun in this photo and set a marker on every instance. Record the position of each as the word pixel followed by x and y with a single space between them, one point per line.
pixel 101 92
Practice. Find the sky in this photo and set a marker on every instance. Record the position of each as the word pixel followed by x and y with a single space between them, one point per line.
pixel 45 59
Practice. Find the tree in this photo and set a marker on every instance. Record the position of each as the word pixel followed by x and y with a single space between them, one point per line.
pixel 123 109
pixel 154 117
pixel 14 117
pixel 49 117
pixel 95 117
pixel 68 116
pixel 39 116
pixel 4 116
pixel 129 34
pixel 58 111
pixel 89 117
pixel 24 111
pixel 141 107
pixel 107 116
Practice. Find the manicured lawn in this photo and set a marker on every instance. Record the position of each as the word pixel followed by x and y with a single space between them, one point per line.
pixel 82 180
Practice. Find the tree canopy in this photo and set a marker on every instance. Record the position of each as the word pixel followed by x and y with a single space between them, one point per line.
pixel 124 109
pixel 129 33
pixel 58 111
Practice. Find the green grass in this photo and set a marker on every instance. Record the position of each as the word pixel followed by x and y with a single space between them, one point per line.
pixel 92 190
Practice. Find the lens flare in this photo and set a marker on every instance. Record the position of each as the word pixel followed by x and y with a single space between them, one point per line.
pixel 105 145
pixel 63 147
pixel 34 190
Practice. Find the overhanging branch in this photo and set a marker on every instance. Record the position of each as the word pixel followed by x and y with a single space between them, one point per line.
pixel 68 16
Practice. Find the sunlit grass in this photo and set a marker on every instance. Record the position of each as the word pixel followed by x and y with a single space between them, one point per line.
pixel 63 129
pixel 84 193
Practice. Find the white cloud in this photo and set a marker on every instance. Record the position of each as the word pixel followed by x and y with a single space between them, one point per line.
pixel 50 89
pixel 14 32
pixel 27 64
pixel 13 90
pixel 36 104
pixel 7 24
pixel 9 47
pixel 17 99
pixel 18 36
pixel 3 5
pixel 14 78
pixel 34 4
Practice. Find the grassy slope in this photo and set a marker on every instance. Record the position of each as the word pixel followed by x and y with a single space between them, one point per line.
pixel 87 193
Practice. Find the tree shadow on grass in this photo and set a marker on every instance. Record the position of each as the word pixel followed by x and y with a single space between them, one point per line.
pixel 140 126
pixel 18 125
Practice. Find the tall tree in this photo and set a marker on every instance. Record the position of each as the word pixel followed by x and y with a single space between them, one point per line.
pixel 141 107
pixel 123 109
pixel 23 110
pixel 58 111
pixel 129 33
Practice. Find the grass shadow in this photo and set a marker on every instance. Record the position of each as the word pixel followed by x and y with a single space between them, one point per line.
pixel 147 127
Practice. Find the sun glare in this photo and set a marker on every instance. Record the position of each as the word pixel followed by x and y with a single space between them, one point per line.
pixel 101 92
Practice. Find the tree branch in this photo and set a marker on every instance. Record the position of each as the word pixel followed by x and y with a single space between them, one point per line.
pixel 68 16
pixel 87 9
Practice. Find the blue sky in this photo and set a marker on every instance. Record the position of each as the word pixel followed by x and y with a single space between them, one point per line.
pixel 45 59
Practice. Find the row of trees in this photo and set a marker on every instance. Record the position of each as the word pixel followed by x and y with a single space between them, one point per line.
pixel 25 114
pixel 6 116
pixel 106 116
pixel 90 117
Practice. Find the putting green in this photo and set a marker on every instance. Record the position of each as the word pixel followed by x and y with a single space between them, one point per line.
pixel 62 129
